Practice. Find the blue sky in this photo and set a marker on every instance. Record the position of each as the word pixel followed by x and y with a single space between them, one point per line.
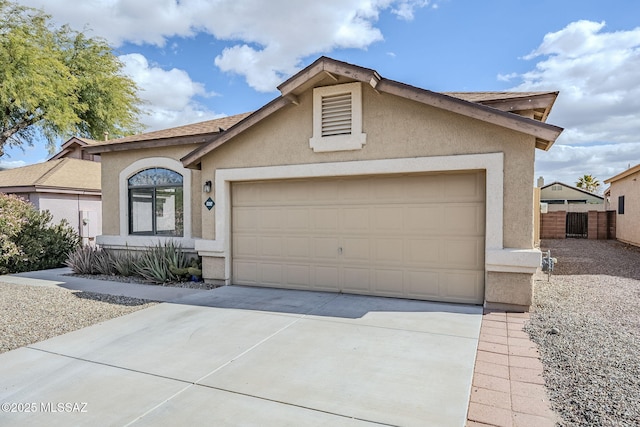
pixel 200 59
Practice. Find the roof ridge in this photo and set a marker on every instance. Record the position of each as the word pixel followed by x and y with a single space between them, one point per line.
pixel 52 170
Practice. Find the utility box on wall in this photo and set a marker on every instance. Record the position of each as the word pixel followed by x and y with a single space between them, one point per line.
pixel 88 226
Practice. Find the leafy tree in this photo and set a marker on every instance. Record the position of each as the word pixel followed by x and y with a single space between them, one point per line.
pixel 588 183
pixel 57 82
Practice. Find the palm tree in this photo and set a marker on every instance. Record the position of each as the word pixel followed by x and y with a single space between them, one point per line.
pixel 588 183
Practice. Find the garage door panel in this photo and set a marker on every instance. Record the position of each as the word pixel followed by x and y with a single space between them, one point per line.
pixel 271 274
pixel 388 282
pixel 426 219
pixel 298 276
pixel 271 219
pixel 463 219
pixel 324 190
pixel 421 187
pixel 465 253
pixel 356 280
pixel 424 252
pixel 298 220
pixel 415 236
pixel 245 272
pixel 245 246
pixel 355 249
pixel 325 220
pixel 355 190
pixel 271 246
pixel 389 189
pixel 325 248
pixel 354 220
pixel 387 219
pixel 298 247
pixel 326 278
pixel 462 187
pixel 461 286
pixel 422 284
pixel 245 219
pixel 389 251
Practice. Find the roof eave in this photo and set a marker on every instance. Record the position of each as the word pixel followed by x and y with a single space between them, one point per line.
pixel 152 143
pixel 623 174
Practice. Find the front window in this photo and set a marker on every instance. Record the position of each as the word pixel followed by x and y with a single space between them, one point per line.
pixel 156 204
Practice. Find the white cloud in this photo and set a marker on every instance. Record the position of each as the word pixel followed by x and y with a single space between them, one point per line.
pixel 8 164
pixel 168 94
pixel 596 74
pixel 269 38
pixel 599 102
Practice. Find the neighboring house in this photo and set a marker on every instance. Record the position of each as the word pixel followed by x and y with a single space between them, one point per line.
pixel 65 185
pixel 563 197
pixel 347 182
pixel 623 196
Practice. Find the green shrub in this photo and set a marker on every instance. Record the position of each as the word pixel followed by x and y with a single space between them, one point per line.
pixel 28 238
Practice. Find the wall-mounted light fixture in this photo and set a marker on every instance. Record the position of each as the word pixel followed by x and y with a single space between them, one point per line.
pixel 207 187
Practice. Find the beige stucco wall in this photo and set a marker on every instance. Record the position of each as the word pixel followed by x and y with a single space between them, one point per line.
pixel 114 162
pixel 509 291
pixel 627 224
pixel 395 128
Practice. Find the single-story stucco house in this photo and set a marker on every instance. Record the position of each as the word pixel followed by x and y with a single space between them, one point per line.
pixel 563 197
pixel 623 196
pixel 68 185
pixel 346 182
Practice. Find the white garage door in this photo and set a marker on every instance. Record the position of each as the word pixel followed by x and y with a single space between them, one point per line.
pixel 412 236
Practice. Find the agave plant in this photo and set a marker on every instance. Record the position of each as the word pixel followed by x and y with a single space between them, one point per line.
pixel 156 262
pixel 82 260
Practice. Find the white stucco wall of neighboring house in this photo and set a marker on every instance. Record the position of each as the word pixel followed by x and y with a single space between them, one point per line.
pixel 69 207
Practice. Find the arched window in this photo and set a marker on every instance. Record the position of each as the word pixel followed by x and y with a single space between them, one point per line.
pixel 156 205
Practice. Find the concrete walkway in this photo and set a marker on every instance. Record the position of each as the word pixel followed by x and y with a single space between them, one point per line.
pixel 249 356
pixel 59 277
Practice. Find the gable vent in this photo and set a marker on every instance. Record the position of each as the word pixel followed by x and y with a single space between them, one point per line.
pixel 336 114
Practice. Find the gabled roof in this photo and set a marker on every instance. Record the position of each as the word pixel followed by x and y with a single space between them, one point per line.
pixel 331 70
pixel 188 134
pixel 623 174
pixel 498 108
pixel 66 175
pixel 67 147
pixel 573 188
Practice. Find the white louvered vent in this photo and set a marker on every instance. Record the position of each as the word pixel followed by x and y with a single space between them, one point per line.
pixel 336 114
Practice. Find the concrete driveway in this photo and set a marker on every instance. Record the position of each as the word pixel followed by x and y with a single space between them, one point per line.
pixel 252 356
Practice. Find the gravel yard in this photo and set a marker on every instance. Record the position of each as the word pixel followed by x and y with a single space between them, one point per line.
pixel 29 314
pixel 587 326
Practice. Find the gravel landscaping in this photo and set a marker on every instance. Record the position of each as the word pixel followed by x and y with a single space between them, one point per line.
pixel 586 324
pixel 29 314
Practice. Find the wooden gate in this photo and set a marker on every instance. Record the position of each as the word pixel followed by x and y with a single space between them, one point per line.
pixel 577 224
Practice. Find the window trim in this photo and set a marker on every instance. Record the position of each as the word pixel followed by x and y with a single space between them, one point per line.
pixel 620 205
pixel 154 206
pixel 154 162
pixel 354 141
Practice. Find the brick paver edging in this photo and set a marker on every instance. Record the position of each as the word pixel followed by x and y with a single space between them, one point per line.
pixel 508 387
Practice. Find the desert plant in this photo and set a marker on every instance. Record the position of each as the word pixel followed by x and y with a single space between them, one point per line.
pixel 103 263
pixel 155 263
pixel 124 262
pixel 82 260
